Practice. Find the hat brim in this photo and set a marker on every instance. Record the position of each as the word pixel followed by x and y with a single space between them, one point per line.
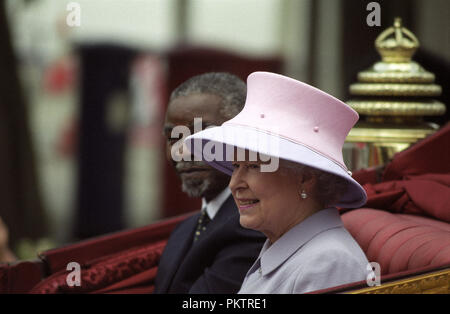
pixel 215 146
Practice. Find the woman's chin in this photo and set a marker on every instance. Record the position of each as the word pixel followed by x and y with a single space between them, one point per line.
pixel 247 223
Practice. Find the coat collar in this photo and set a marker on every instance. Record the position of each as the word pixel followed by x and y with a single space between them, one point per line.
pixel 274 255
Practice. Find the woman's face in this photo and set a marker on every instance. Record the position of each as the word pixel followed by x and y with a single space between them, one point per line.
pixel 267 201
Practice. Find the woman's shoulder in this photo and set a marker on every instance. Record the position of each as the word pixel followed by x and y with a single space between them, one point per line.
pixel 336 243
pixel 330 259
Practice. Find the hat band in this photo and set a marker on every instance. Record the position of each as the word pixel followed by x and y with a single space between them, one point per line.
pixel 287 139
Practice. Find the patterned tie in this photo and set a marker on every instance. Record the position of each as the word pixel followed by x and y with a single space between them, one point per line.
pixel 203 220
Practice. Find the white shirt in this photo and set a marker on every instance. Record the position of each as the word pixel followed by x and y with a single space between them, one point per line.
pixel 214 205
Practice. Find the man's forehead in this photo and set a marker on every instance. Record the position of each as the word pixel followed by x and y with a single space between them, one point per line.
pixel 185 109
pixel 197 101
pixel 193 124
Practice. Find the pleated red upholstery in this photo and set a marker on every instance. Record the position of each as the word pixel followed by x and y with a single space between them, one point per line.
pixel 399 242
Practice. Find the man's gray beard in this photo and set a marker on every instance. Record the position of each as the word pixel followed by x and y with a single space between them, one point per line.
pixel 195 188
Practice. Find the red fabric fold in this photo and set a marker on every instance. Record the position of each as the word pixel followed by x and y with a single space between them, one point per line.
pixel 424 195
pixel 430 155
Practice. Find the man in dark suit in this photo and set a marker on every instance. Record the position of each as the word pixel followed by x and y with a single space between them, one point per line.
pixel 209 252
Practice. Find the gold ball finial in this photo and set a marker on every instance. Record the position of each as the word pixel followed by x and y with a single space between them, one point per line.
pixel 398 49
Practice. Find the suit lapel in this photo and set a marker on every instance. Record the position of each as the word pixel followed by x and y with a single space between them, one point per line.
pixel 190 261
pixel 226 210
pixel 185 255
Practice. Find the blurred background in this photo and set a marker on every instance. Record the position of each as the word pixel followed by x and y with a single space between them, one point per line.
pixel 84 86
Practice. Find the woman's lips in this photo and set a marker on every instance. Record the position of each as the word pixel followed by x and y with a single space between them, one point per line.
pixel 246 203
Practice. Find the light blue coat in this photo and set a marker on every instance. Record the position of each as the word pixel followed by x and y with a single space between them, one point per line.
pixel 317 253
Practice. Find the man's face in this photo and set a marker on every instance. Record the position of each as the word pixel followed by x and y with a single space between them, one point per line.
pixel 198 179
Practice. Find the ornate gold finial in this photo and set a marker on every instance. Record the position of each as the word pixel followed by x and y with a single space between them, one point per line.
pixel 394 95
pixel 396 86
pixel 399 49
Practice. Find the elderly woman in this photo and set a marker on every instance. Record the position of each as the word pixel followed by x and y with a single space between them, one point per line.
pixel 284 154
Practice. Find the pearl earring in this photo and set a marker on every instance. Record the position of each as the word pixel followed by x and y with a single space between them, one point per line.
pixel 303 194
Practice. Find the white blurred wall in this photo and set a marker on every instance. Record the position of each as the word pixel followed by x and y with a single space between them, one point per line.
pixel 252 27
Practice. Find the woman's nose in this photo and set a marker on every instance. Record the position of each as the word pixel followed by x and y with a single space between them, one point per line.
pixel 237 179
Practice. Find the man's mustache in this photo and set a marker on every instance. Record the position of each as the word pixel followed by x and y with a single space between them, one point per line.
pixel 189 165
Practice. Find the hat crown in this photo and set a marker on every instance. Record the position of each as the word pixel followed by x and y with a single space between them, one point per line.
pixel 297 112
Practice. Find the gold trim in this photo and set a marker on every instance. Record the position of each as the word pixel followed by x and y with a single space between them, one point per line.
pixel 397 108
pixel 395 77
pixel 432 283
pixel 387 136
pixel 382 72
pixel 375 89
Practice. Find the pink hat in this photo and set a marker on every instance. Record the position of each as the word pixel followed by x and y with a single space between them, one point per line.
pixel 286 119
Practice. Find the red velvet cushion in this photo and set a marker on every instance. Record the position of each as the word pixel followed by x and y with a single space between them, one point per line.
pixel 123 262
pixel 425 221
pixel 399 242
pixel 132 269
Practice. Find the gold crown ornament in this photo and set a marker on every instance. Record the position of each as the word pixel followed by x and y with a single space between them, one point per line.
pixel 393 96
pixel 396 85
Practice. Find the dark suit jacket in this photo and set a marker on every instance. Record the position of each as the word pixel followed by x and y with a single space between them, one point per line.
pixel 216 263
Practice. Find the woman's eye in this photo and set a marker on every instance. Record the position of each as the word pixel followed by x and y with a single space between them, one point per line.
pixel 247 166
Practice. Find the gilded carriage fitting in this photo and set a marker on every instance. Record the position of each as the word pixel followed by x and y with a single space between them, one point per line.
pixel 397 76
pixel 393 96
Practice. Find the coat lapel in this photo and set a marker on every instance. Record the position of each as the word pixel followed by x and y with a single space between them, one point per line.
pixel 183 257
